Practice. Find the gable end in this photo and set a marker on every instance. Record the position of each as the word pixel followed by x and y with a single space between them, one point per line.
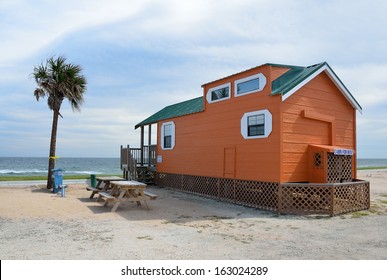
pixel 296 78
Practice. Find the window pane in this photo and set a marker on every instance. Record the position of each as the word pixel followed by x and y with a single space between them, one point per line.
pixel 168 141
pixel 256 125
pixel 220 93
pixel 167 130
pixel 248 86
pixel 257 119
pixel 256 130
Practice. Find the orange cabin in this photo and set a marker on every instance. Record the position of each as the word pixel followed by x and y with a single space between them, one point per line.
pixel 271 123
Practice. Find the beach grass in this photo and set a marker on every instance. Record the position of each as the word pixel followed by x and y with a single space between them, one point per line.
pixel 372 167
pixel 44 177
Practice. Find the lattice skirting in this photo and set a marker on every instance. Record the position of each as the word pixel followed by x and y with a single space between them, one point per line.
pixel 294 198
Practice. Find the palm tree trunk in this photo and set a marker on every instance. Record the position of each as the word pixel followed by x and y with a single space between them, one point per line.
pixel 51 160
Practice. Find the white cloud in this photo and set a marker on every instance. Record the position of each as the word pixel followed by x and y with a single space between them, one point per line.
pixel 140 56
pixel 367 82
pixel 28 26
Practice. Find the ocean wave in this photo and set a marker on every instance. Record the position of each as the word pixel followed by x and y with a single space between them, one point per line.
pixel 17 166
pixel 84 172
pixel 37 171
pixel 9 171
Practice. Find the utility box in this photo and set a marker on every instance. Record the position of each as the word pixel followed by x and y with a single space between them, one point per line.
pixel 58 179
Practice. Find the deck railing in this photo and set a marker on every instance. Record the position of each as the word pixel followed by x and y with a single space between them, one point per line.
pixel 142 157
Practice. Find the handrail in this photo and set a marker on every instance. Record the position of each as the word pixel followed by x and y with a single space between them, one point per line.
pixel 148 155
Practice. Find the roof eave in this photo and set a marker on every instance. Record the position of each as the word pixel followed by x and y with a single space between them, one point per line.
pixel 191 106
pixel 332 75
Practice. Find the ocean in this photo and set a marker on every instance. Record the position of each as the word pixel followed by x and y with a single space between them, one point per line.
pixel 376 162
pixel 34 166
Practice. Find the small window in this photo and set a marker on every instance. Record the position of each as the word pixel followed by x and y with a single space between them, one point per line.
pixel 250 84
pixel 318 160
pixel 168 136
pixel 218 93
pixel 257 124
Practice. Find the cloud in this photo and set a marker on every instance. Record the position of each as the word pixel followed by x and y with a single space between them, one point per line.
pixel 28 27
pixel 140 56
pixel 367 82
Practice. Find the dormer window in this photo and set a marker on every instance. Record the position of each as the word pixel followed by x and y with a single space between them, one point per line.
pixel 218 93
pixel 250 84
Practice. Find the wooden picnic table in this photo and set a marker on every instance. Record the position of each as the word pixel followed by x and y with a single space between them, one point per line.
pixel 126 191
pixel 105 187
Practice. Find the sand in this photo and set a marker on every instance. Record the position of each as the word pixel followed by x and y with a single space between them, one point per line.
pixel 37 224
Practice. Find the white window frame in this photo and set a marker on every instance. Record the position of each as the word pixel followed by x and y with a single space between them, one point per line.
pixel 268 125
pixel 172 134
pixel 261 80
pixel 209 93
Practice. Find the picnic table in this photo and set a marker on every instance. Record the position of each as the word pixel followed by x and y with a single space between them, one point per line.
pixel 105 187
pixel 126 191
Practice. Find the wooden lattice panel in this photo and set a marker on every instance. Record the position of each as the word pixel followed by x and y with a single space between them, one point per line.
pixel 351 197
pixel 305 199
pixel 292 198
pixel 199 185
pixel 262 195
pixel 168 180
pixel 339 168
pixel 318 160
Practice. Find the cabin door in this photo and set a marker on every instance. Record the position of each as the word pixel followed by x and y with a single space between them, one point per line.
pixel 229 163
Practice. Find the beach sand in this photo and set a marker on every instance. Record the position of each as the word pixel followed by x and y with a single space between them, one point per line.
pixel 37 224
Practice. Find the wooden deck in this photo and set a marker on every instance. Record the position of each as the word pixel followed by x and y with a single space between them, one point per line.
pixel 139 163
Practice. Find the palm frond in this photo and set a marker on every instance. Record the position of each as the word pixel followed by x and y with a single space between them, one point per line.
pixel 39 92
pixel 60 80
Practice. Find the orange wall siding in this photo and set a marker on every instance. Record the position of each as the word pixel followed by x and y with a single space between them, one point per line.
pixel 277 71
pixel 321 97
pixel 208 143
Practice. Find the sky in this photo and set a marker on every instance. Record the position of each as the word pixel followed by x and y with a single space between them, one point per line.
pixel 140 56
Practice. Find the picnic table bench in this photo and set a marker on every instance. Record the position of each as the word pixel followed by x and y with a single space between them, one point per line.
pixel 108 197
pixel 150 195
pixel 98 188
pixel 126 191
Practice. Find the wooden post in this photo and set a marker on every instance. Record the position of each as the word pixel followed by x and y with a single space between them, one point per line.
pixel 121 157
pixel 142 146
pixel 332 194
pixel 149 144
pixel 279 199
pixel 128 161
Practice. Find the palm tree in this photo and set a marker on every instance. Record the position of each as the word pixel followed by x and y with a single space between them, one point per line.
pixel 58 80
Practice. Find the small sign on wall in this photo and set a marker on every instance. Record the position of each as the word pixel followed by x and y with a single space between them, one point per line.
pixel 159 159
pixel 343 152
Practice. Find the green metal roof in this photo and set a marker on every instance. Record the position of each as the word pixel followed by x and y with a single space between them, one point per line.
pixel 297 76
pixel 286 85
pixel 176 110
pixel 293 77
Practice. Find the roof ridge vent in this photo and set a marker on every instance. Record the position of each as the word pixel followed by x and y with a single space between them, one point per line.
pixel 314 65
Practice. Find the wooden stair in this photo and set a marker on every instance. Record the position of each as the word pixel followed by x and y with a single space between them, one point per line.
pixel 145 174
